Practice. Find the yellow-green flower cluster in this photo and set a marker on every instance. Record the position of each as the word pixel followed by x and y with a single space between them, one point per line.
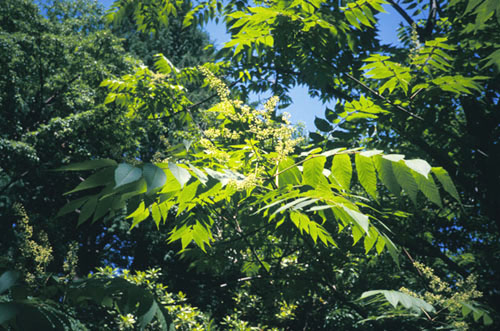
pixel 126 322
pixel 35 256
pixel 212 150
pixel 242 123
pixel 71 261
pixel 186 317
pixel 251 180
pixel 287 311
pixel 215 83
pixel 447 300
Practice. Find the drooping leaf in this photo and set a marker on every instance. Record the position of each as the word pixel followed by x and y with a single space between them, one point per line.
pixel 342 170
pixel 8 279
pixel 386 174
pixel 71 206
pixel 181 174
pixel 477 312
pixel 104 205
pixel 313 172
pixel 406 300
pixel 360 219
pixel 419 166
pixel 87 210
pixel 370 239
pixel 126 173
pixel 322 125
pixel 366 174
pixel 156 214
pixel 289 174
pixel 139 215
pixel 446 182
pixel 100 178
pixel 406 180
pixel 155 176
pixel 428 188
pixel 88 165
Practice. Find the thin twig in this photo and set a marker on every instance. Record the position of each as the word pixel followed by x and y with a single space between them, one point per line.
pixel 351 77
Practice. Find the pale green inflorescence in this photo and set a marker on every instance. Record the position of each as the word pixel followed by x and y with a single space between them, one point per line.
pixel 257 128
pixel 447 300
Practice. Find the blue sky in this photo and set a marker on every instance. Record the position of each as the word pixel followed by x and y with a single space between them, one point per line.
pixel 305 108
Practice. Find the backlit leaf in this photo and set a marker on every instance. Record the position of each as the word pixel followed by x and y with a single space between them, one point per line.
pixel 125 173
pixel 181 174
pixel 155 177
pixel 342 170
pixel 366 174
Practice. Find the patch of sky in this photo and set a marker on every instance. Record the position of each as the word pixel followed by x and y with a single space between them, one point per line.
pixel 304 107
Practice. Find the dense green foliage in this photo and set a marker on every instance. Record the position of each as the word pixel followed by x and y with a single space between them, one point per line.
pixel 129 120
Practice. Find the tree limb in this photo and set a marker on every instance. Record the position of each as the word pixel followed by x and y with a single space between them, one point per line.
pixel 402 12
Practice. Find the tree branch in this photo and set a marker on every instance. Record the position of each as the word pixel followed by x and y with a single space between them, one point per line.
pixel 402 12
pixel 426 32
pixel 380 96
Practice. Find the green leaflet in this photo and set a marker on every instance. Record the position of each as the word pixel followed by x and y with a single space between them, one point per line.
pixel 359 219
pixel 88 165
pixel 301 221
pixel 87 210
pixel 7 280
pixel 393 250
pixel 370 239
pixel 187 233
pixel 291 176
pixel 366 174
pixel 428 188
pixel 386 174
pixel 477 312
pixel 352 19
pixel 322 125
pixel 156 214
pixel 125 174
pixel 100 178
pixel 342 170
pixel 155 177
pixel 164 65
pixel 290 204
pixel 139 215
pixel 405 179
pixel 446 182
pixel 200 175
pixel 201 235
pixel 71 206
pixel 380 68
pixel 396 297
pixel 104 205
pixel 313 172
pixel 181 174
pixel 379 246
pixel 315 230
pixel 419 166
pixel 186 196
pixel 148 316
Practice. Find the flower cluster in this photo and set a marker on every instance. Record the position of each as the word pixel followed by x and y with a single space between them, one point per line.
pixel 71 261
pixel 448 298
pixel 185 316
pixel 35 255
pixel 258 133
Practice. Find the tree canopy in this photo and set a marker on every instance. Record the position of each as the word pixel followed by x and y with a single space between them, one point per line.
pixel 132 151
